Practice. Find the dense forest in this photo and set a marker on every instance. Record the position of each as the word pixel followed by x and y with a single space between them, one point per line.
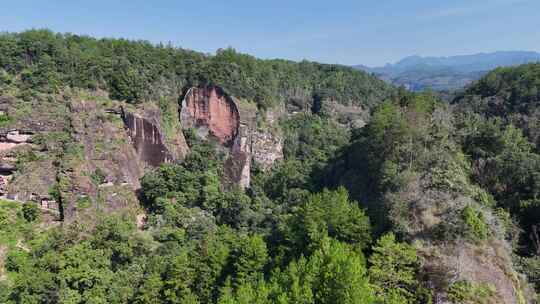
pixel 137 71
pixel 349 215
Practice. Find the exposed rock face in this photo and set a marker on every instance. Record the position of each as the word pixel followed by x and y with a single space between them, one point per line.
pixel 13 138
pixel 91 152
pixel 267 149
pixel 17 137
pixel 489 264
pixel 8 142
pixel 238 165
pixel 147 140
pixel 214 114
pixel 211 112
pixel 106 155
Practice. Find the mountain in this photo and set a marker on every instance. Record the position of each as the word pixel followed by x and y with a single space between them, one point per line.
pixel 511 94
pixel 447 73
pixel 141 173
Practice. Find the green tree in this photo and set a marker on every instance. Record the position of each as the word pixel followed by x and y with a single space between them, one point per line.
pixel 250 257
pixel 393 270
pixel 329 214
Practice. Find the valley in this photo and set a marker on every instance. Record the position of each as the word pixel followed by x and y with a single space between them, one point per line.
pixel 132 172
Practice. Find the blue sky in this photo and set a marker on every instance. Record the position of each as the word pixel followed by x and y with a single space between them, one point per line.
pixel 366 32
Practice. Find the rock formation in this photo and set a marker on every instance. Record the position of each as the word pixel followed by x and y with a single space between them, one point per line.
pixel 212 113
pixel 267 149
pixel 14 138
pixel 8 142
pixel 216 115
pixel 149 140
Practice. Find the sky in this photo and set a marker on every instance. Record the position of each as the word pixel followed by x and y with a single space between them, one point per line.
pixel 369 32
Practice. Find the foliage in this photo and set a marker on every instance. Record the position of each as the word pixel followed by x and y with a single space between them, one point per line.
pixel 510 94
pixel 477 228
pixel 464 292
pixel 13 225
pixel 329 214
pixel 334 273
pixel 97 177
pixel 30 211
pixel 422 171
pixel 506 165
pixel 393 270
pixel 137 70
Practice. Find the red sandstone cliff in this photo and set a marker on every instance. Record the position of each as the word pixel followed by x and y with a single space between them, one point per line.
pixel 214 114
pixel 211 111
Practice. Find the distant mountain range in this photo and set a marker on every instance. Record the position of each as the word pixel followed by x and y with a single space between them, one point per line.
pixel 447 73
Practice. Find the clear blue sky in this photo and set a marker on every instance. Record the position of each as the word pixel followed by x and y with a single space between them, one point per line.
pixel 370 32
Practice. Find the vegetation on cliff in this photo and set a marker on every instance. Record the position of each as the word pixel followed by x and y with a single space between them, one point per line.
pixel 425 202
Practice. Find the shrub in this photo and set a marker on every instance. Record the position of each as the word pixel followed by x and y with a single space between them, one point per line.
pixel 476 227
pixel 98 177
pixel 30 212
pixel 464 292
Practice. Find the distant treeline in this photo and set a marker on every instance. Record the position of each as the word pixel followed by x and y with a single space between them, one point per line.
pixel 139 70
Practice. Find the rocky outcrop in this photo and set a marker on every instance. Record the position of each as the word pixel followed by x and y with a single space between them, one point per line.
pixel 238 165
pixel 6 173
pixel 10 140
pixel 212 113
pixel 18 137
pixel 489 265
pixel 267 149
pixel 147 140
pixel 233 124
pixel 14 138
pixel 90 150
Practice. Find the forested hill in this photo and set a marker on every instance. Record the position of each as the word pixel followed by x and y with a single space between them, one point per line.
pixel 511 94
pixel 134 173
pixel 138 70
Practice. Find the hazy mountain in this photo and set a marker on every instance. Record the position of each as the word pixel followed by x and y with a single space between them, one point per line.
pixel 447 73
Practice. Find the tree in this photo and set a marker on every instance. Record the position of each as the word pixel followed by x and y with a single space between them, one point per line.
pixel 250 256
pixel 334 273
pixel 329 214
pixel 393 270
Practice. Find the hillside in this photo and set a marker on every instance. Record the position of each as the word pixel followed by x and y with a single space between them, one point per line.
pixel 136 71
pixel 509 166
pixel 134 173
pixel 447 73
pixel 510 94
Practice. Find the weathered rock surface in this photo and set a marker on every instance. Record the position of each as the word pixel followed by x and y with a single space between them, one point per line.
pixel 148 138
pixel 238 165
pixel 267 149
pixel 18 137
pixel 74 139
pixel 216 115
pixel 12 139
pixel 489 264
pixel 211 112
